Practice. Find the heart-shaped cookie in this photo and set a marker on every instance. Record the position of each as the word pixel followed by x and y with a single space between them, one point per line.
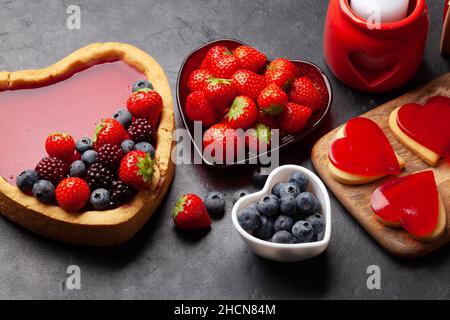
pixel 362 153
pixel 71 95
pixel 412 202
pixel 424 129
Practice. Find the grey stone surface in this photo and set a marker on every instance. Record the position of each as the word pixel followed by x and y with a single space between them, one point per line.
pixel 160 262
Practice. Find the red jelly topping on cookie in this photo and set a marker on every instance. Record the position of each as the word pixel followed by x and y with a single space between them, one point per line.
pixel 412 201
pixel 429 124
pixel 364 150
pixel 73 105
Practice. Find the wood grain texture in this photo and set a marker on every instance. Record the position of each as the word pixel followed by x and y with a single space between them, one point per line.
pixel 356 199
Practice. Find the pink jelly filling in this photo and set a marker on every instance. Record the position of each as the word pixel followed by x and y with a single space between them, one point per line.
pixel 73 106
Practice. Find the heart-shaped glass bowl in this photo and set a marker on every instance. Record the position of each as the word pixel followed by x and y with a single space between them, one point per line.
pixel 193 62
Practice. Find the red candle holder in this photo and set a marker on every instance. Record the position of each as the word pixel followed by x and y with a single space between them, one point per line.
pixel 374 57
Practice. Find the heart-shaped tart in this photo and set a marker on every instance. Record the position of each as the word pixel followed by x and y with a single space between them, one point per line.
pixel 412 202
pixel 424 129
pixel 361 153
pixel 72 95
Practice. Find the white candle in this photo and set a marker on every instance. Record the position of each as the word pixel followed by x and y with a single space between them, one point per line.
pixel 381 10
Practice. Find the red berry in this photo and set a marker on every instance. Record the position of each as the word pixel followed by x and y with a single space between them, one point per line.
pixel 272 100
pixel 225 66
pixel 145 103
pixel 190 213
pixel 259 138
pixel 198 108
pixel 52 169
pixel 213 54
pixel 294 118
pixel 248 83
pixel 268 120
pixel 109 131
pixel 221 137
pixel 136 169
pixel 250 58
pixel 220 93
pixel 72 194
pixel 282 72
pixel 60 145
pixel 242 114
pixel 304 92
pixel 197 79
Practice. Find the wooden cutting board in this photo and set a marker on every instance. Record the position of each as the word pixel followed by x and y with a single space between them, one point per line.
pixel 356 199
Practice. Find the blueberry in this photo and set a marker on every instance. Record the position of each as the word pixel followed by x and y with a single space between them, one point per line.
pixel 89 157
pixel 239 194
pixel 288 206
pixel 128 146
pixel 124 117
pixel 318 222
pixel 215 203
pixel 77 169
pixel 303 231
pixel 300 180
pixel 307 204
pixel 276 189
pixel 283 237
pixel 100 199
pixel 83 145
pixel 289 189
pixel 141 84
pixel 283 223
pixel 146 147
pixel 269 205
pixel 26 180
pixel 265 230
pixel 259 179
pixel 44 191
pixel 249 219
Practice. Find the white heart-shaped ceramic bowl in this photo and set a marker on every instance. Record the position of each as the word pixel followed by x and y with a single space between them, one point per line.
pixel 286 252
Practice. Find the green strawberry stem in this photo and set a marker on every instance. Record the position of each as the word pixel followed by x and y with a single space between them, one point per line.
pixel 273 110
pixel 145 166
pixel 216 81
pixel 236 109
pixel 179 206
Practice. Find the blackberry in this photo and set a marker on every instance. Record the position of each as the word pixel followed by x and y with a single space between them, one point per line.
pixel 121 193
pixel 142 131
pixel 52 169
pixel 110 155
pixel 99 176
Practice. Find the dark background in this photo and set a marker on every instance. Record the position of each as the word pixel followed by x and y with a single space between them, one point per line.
pixel 161 263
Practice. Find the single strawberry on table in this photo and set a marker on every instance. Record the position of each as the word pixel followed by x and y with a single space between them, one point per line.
pixel 272 100
pixel 304 92
pixel 259 138
pixel 60 146
pixel 242 113
pixel 282 72
pixel 198 108
pixel 145 103
pixel 294 118
pixel 248 83
pixel 190 213
pixel 221 137
pixel 109 131
pixel 250 58
pixel 197 79
pixel 137 169
pixel 220 93
pixel 72 194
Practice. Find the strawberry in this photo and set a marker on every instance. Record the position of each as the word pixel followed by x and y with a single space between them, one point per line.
pixel 259 137
pixel 72 194
pixel 272 100
pixel 136 169
pixel 60 146
pixel 221 136
pixel 197 79
pixel 145 103
pixel 250 58
pixel 294 118
pixel 242 114
pixel 282 72
pixel 213 54
pixel 109 131
pixel 304 92
pixel 190 213
pixel 224 66
pixel 220 93
pixel 248 83
pixel 198 108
